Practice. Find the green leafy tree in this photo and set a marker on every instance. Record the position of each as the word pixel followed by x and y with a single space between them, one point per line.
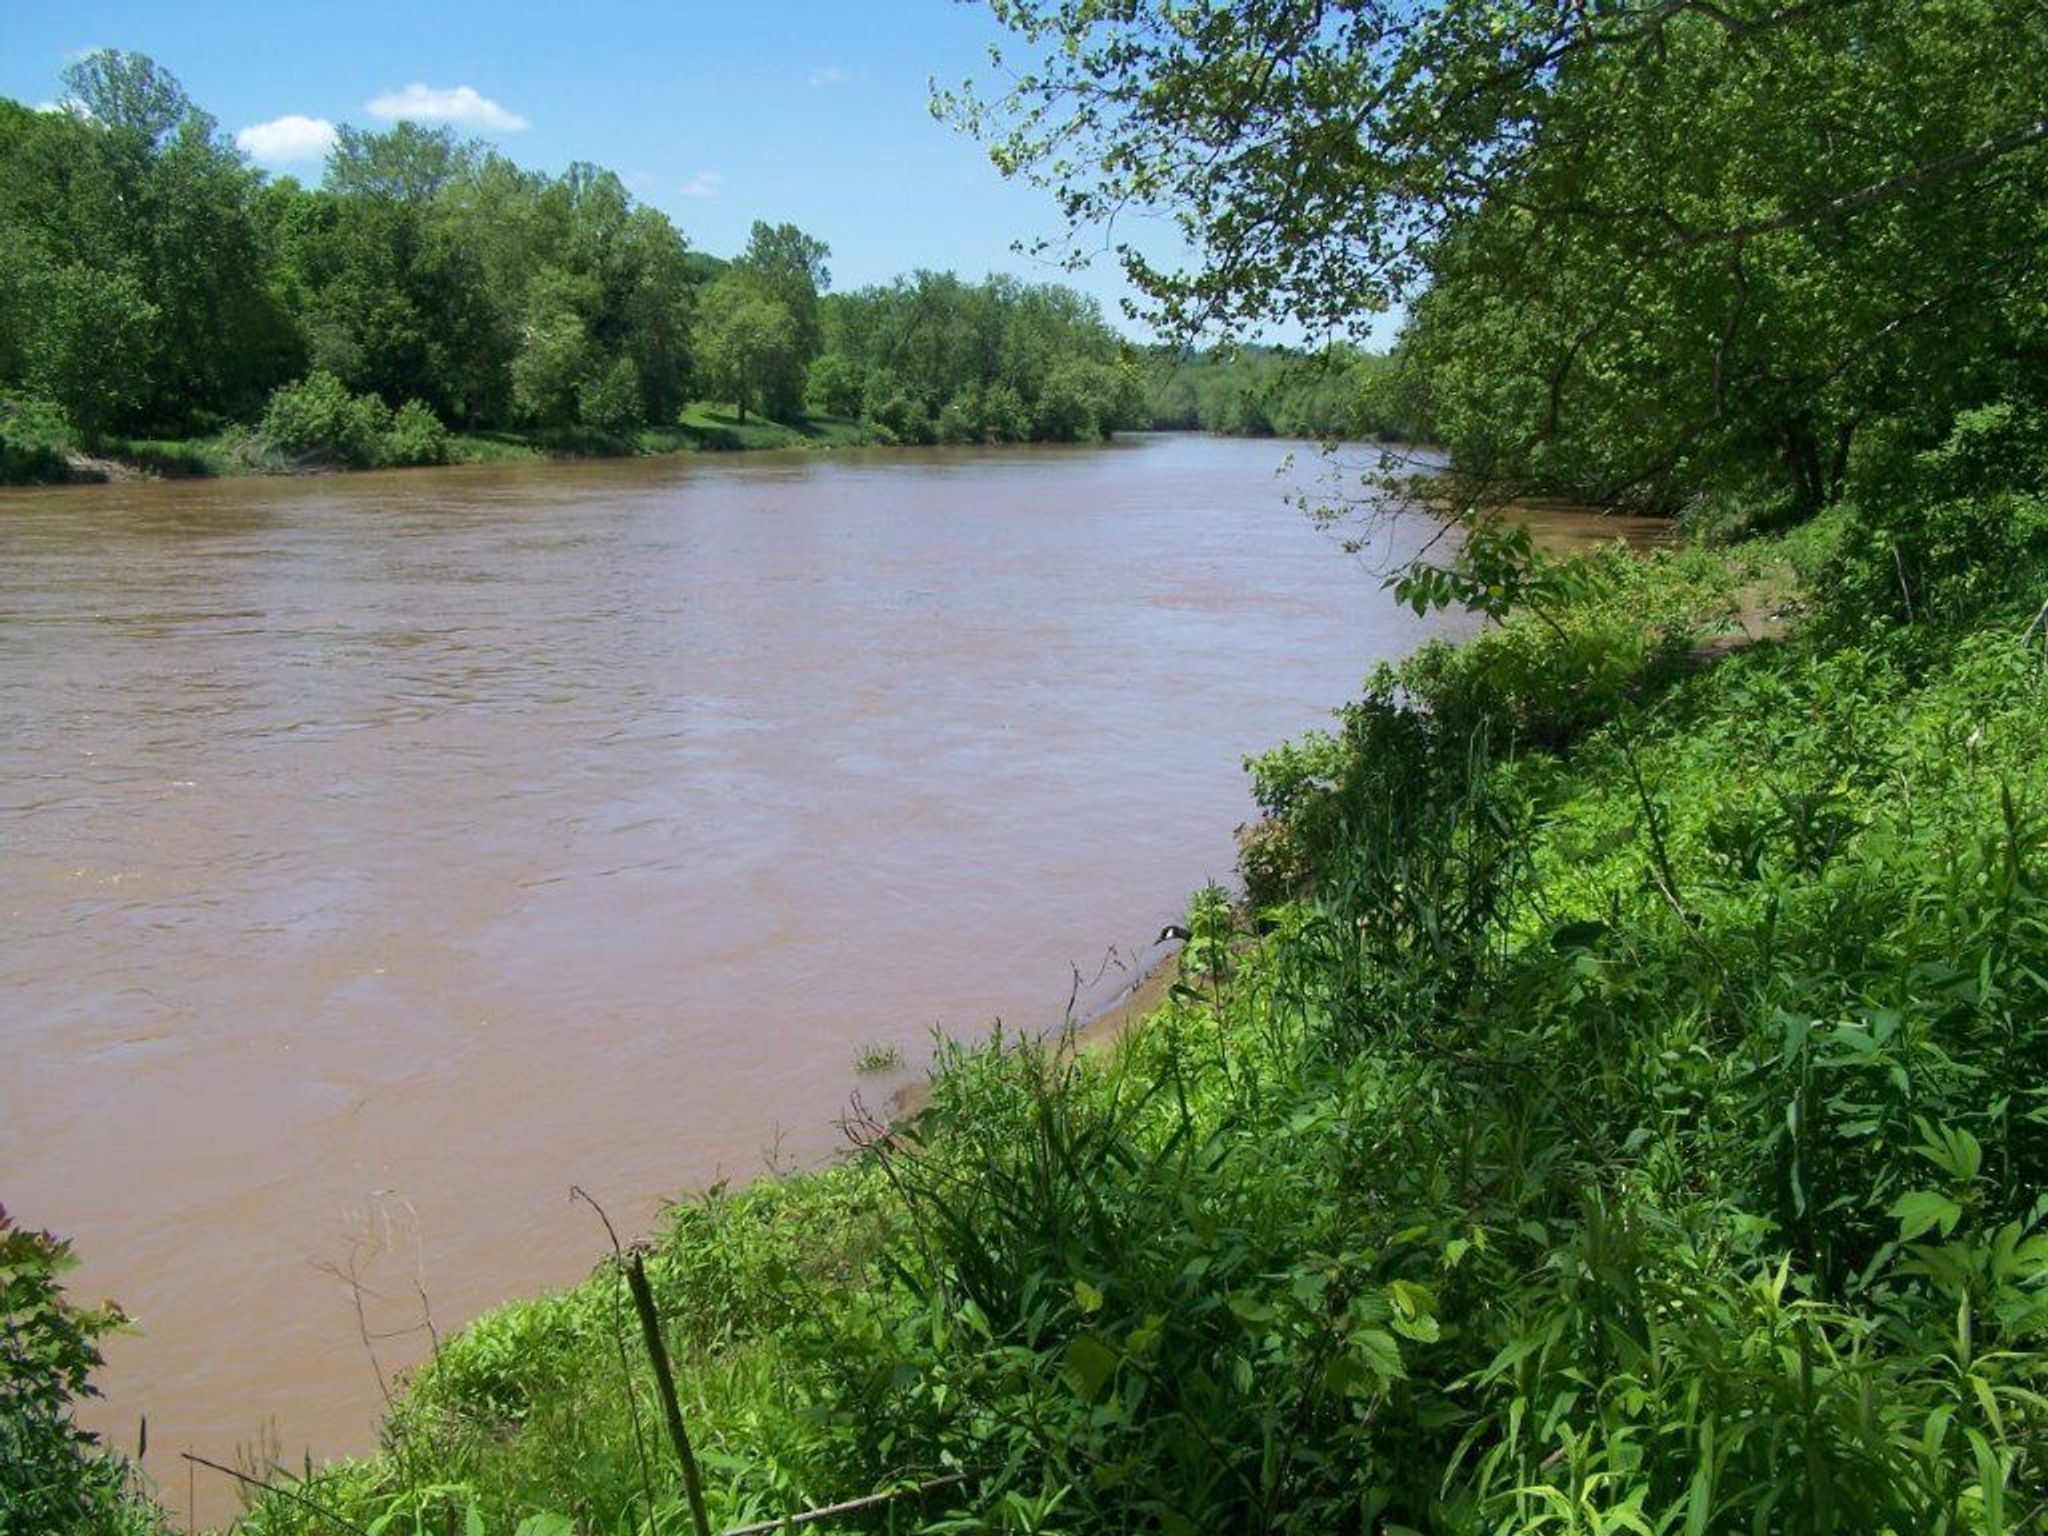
pixel 834 385
pixel 407 163
pixel 651 312
pixel 609 399
pixel 1073 404
pixel 789 267
pixel 129 95
pixel 972 361
pixel 149 187
pixel 1652 248
pixel 555 350
pixel 746 343
pixel 392 299
pixel 1004 417
pixel 960 419
pixel 552 248
pixel 90 347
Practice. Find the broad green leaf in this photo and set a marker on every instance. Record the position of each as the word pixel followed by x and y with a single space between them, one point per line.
pixel 1090 1364
pixel 1922 1210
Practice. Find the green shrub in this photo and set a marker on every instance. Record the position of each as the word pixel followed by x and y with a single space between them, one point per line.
pixel 34 441
pixel 55 1478
pixel 1004 418
pixel 317 421
pixel 1939 534
pixel 416 437
pixel 834 385
pixel 960 419
pixel 31 463
pixel 904 418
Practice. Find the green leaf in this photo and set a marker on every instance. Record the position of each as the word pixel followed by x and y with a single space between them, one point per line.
pixel 1410 1299
pixel 1146 1334
pixel 1923 1209
pixel 1422 1328
pixel 1381 1353
pixel 1699 1504
pixel 1251 1310
pixel 1347 1377
pixel 1090 1364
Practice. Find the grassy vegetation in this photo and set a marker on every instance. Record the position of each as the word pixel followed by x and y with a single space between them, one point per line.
pixel 877 1056
pixel 186 458
pixel 35 443
pixel 703 427
pixel 716 427
pixel 1626 1114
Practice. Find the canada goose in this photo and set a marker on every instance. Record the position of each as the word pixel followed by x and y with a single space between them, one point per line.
pixel 1173 933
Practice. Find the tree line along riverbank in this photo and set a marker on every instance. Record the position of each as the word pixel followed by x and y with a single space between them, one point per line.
pixel 167 308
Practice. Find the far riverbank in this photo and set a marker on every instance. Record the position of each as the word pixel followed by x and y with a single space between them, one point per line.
pixel 704 427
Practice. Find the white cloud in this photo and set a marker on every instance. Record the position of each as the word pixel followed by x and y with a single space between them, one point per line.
pixel 831 74
pixel 462 105
pixel 703 184
pixel 285 139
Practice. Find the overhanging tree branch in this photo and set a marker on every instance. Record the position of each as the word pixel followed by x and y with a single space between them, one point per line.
pixel 1876 192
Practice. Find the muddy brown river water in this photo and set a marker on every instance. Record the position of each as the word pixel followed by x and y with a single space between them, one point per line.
pixel 381 854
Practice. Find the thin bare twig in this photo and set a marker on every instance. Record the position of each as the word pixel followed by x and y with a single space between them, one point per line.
pixel 850 1506
pixel 665 1387
pixel 578 1192
pixel 2038 626
pixel 278 1489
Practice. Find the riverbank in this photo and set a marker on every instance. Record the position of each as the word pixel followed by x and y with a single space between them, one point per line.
pixel 703 427
pixel 1093 1032
pixel 648 790
pixel 1488 1121
pixel 1634 999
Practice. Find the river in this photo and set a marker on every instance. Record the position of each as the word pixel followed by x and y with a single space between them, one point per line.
pixel 382 854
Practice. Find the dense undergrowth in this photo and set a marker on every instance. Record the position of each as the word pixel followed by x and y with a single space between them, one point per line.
pixel 1626 1113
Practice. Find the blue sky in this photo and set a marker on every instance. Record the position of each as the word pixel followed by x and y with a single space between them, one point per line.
pixel 806 110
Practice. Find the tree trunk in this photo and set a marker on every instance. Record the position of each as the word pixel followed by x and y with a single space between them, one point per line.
pixel 1803 468
pixel 1838 470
